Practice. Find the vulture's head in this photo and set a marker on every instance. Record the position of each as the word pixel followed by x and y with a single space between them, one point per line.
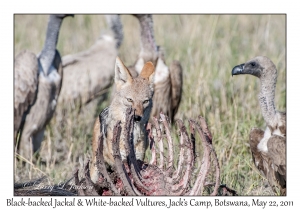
pixel 260 66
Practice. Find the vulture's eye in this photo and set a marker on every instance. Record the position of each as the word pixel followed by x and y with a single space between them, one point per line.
pixel 253 64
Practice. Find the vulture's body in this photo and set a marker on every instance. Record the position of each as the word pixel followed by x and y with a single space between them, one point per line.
pixel 37 86
pixel 168 80
pixel 88 74
pixel 268 147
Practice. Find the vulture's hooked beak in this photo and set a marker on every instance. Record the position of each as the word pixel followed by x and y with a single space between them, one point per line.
pixel 238 69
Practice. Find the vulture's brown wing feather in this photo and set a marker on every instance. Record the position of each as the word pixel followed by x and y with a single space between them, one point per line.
pixel 88 74
pixel 25 85
pixel 256 135
pixel 277 155
pixel 176 83
pixel 276 147
pixel 162 88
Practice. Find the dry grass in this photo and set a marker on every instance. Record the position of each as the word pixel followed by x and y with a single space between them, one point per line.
pixel 208 46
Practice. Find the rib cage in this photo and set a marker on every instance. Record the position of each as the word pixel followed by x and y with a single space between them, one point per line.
pixel 159 176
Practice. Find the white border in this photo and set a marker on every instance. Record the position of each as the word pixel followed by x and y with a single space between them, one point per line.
pixel 154 6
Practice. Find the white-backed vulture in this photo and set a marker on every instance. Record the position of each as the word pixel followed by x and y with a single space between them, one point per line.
pixel 37 85
pixel 88 74
pixel 168 80
pixel 268 147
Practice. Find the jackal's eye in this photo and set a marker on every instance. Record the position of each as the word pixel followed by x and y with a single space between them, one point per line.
pixel 129 100
pixel 146 101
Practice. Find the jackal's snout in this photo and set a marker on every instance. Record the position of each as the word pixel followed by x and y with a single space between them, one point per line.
pixel 138 113
pixel 137 118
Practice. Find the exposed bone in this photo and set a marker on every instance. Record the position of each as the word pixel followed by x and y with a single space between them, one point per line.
pixel 205 163
pixel 180 186
pixel 208 137
pixel 152 144
pixel 161 146
pixel 170 144
pixel 135 171
pixel 181 154
pixel 118 161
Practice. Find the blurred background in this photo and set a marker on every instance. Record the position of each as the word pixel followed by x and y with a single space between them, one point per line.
pixel 208 47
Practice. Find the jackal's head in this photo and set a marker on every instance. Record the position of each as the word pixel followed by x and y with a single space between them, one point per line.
pixel 134 92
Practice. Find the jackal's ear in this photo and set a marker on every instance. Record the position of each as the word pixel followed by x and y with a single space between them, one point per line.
pixel 122 74
pixel 148 72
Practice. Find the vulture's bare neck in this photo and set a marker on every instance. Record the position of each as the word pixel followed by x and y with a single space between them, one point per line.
pixel 115 24
pixel 149 48
pixel 48 53
pixel 266 99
